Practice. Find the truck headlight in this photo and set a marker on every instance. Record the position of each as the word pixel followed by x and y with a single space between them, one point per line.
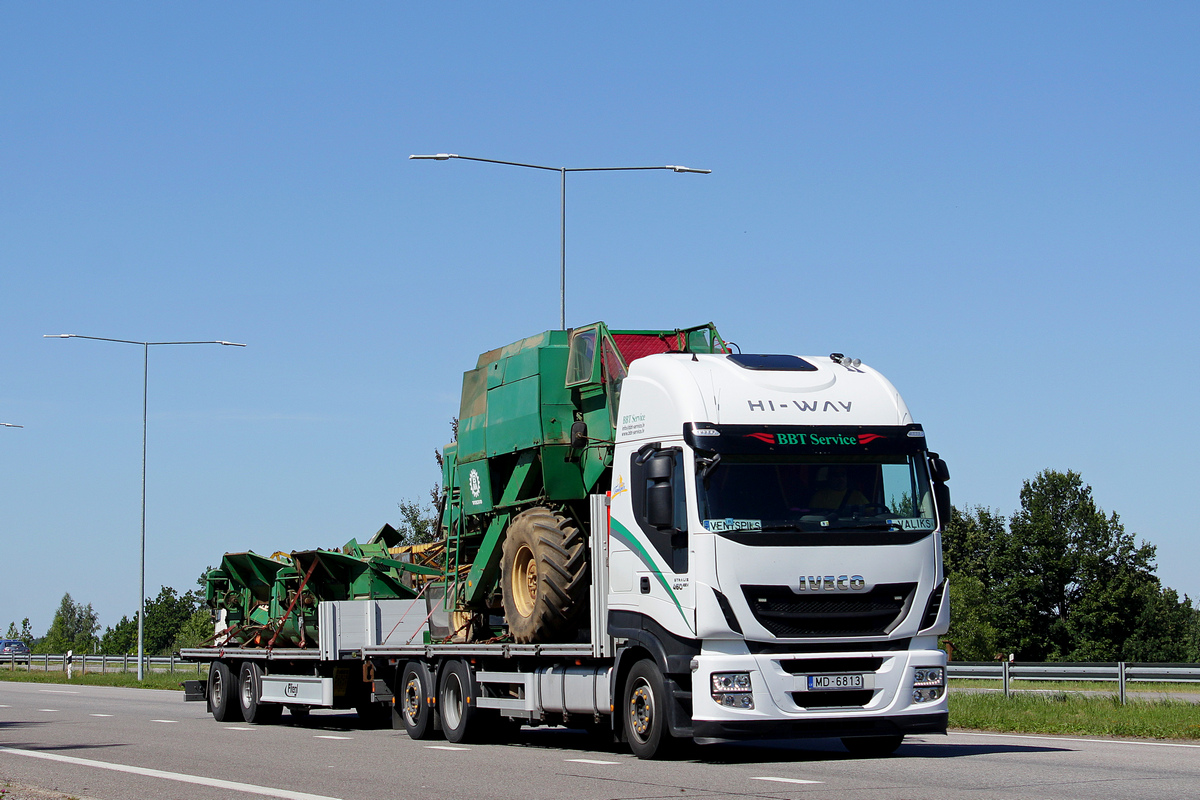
pixel 732 689
pixel 929 684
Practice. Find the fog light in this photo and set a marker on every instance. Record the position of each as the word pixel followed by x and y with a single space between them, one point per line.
pixel 926 695
pixel 732 689
pixel 735 700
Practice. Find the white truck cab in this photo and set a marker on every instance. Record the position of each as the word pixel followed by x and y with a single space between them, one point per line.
pixel 774 534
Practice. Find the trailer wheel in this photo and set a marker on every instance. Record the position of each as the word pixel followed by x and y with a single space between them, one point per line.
pixel 543 574
pixel 873 746
pixel 456 701
pixel 412 706
pixel 249 691
pixel 645 711
pixel 220 694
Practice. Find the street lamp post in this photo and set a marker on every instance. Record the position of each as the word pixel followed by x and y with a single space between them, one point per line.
pixel 10 425
pixel 562 171
pixel 145 385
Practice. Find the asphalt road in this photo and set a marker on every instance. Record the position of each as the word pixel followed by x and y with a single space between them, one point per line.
pixel 133 744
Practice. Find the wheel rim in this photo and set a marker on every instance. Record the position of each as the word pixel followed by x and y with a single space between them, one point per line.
pixel 218 690
pixel 247 689
pixel 452 701
pixel 524 581
pixel 412 700
pixel 641 710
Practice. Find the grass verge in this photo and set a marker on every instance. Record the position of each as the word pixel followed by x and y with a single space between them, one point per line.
pixel 1076 715
pixel 153 680
pixel 1075 686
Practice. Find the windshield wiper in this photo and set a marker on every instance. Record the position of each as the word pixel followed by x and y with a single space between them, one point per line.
pixel 864 525
pixel 707 465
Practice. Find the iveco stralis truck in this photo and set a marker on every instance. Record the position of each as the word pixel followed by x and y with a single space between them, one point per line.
pixel 753 551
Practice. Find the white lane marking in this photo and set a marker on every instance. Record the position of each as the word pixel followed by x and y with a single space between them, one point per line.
pixel 590 761
pixel 250 788
pixel 444 747
pixel 332 737
pixel 1075 739
pixel 785 780
pixel 51 710
pixel 5 706
pixel 58 691
pixel 237 728
pixel 99 715
pixel 164 720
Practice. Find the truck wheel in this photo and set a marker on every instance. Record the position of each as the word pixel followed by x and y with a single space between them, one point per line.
pixel 543 574
pixel 412 706
pixel 456 701
pixel 220 694
pixel 873 746
pixel 645 711
pixel 249 690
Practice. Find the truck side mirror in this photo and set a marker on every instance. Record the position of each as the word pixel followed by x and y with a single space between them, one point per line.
pixel 941 498
pixel 660 503
pixel 660 494
pixel 938 470
pixel 940 473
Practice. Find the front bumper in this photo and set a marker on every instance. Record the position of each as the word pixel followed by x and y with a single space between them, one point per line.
pixel 829 727
pixel 784 707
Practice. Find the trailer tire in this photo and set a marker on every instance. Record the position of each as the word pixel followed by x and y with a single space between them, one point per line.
pixel 645 711
pixel 220 694
pixel 457 701
pixel 412 702
pixel 873 746
pixel 543 574
pixel 249 691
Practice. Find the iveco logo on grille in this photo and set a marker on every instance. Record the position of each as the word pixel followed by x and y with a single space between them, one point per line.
pixel 832 583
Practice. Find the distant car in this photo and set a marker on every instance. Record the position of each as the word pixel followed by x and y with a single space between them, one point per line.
pixel 13 649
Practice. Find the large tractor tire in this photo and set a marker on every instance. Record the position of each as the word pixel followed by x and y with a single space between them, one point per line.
pixel 543 575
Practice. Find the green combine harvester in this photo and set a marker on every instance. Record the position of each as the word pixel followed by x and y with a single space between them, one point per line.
pixel 535 437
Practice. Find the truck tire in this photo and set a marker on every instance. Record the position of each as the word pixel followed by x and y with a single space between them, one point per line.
pixel 873 746
pixel 249 691
pixel 457 701
pixel 220 694
pixel 412 702
pixel 645 711
pixel 543 575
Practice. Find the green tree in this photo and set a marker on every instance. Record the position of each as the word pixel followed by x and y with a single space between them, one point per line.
pixel 120 639
pixel 165 616
pixel 196 631
pixel 1165 629
pixel 419 524
pixel 74 627
pixel 1068 581
pixel 971 541
pixel 972 635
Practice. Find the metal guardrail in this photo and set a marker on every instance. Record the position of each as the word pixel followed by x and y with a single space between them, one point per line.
pixel 1120 672
pixel 57 662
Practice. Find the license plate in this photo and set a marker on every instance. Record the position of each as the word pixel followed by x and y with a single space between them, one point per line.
pixel 821 683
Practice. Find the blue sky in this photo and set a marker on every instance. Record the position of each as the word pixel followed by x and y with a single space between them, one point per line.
pixel 997 208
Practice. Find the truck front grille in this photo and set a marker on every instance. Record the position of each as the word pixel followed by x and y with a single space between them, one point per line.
pixel 789 615
pixel 816 666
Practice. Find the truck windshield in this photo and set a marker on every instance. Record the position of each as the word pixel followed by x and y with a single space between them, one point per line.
pixel 815 493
